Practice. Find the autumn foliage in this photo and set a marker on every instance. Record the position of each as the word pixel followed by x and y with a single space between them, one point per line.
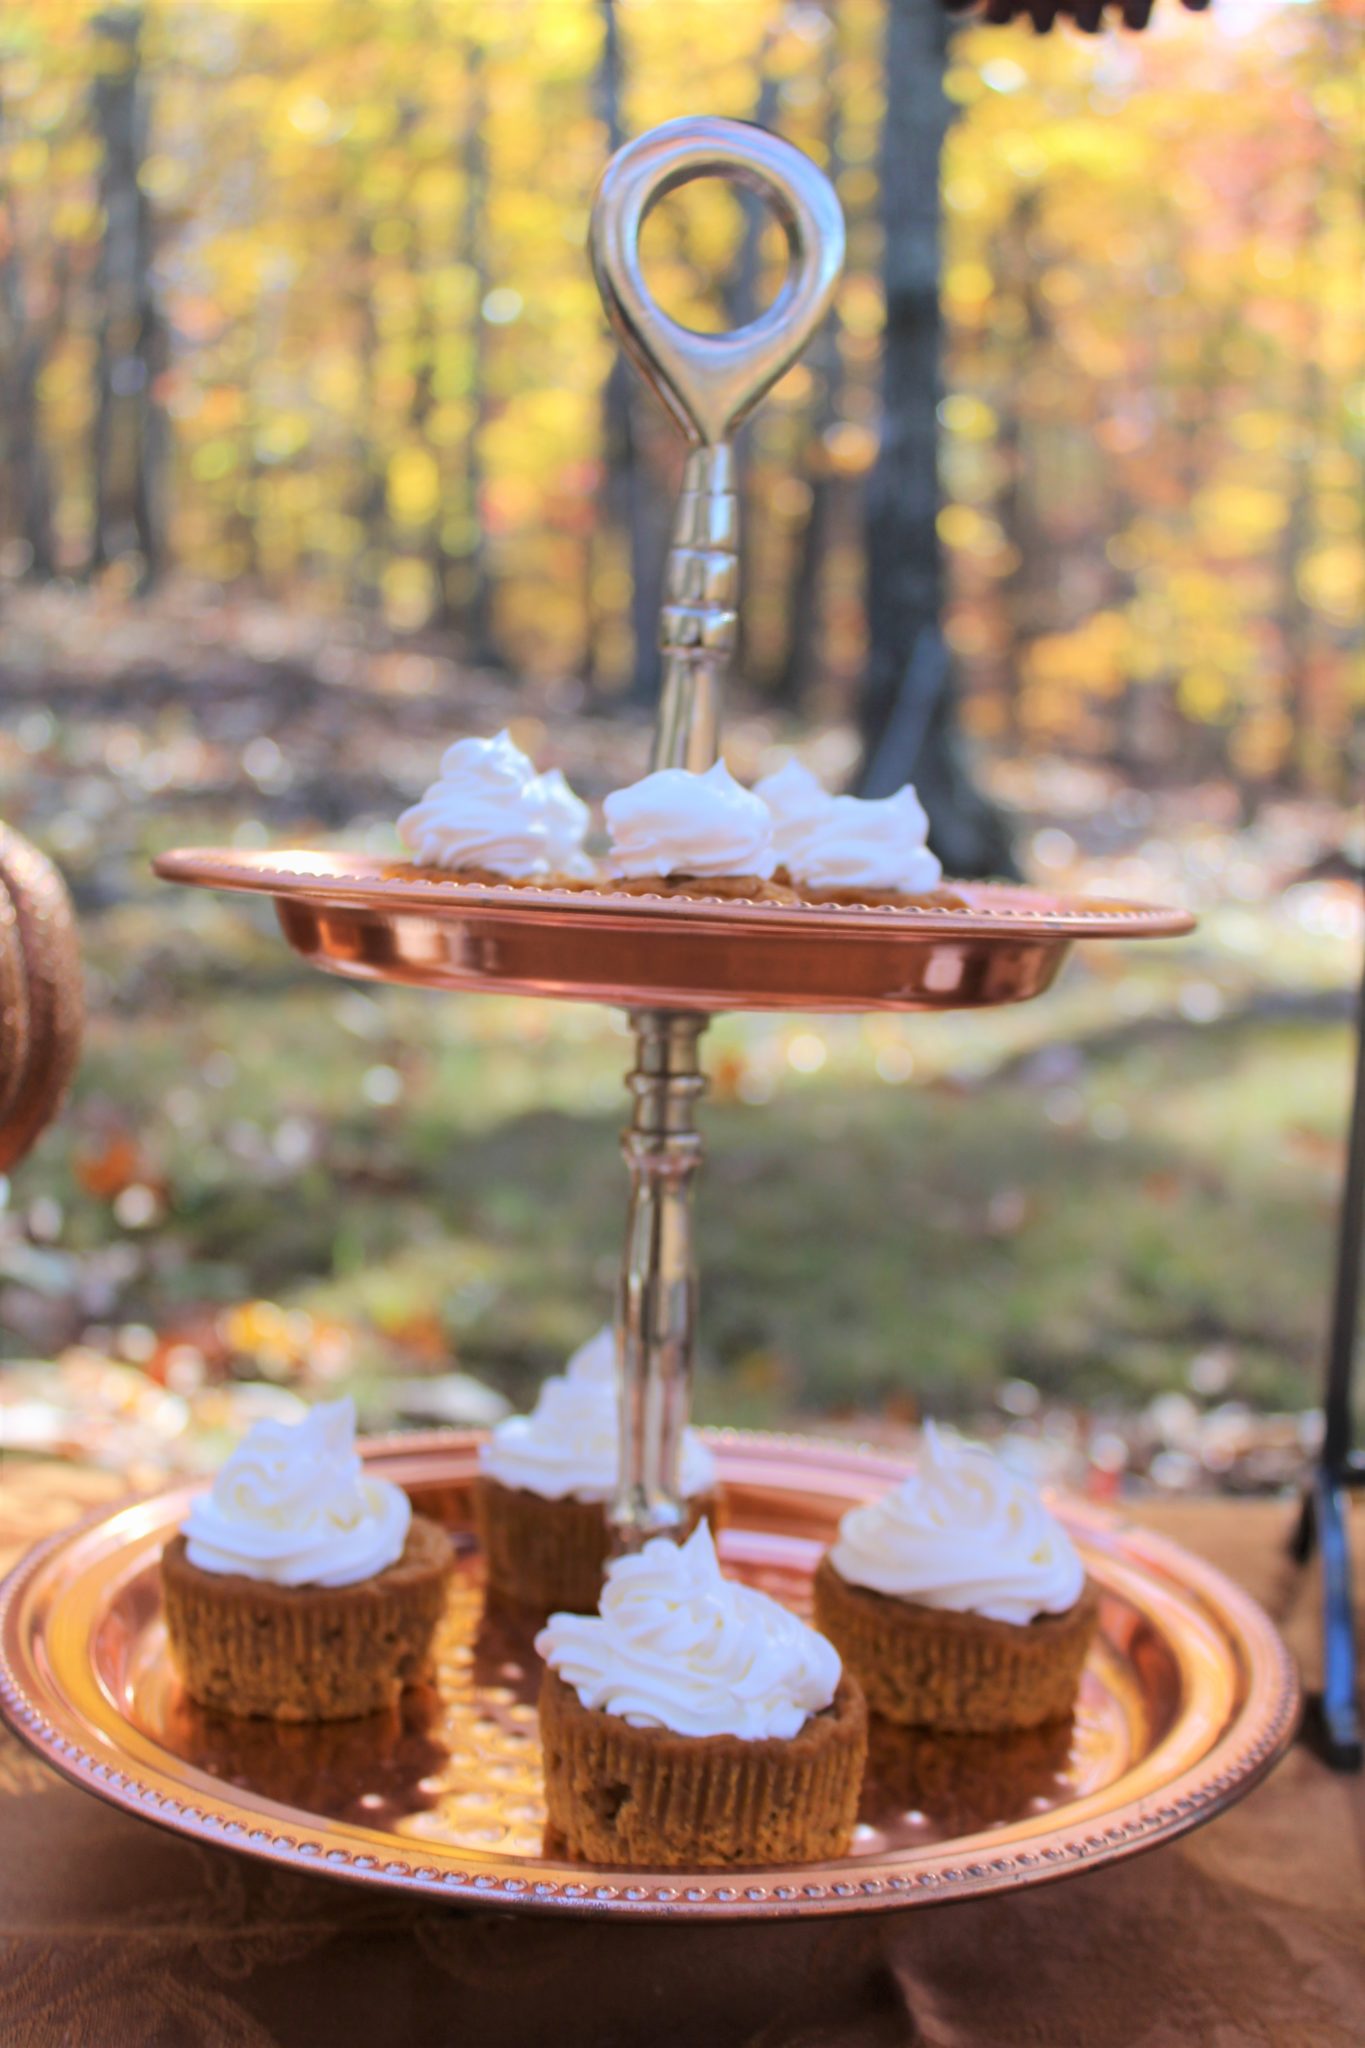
pixel 294 297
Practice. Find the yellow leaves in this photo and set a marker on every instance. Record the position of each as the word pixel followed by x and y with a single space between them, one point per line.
pixel 968 417
pixel 861 305
pixel 413 486
pixel 282 435
pixel 26 162
pixel 959 526
pixel 213 460
pixel 848 448
pixel 1332 580
pixel 1237 519
pixel 1090 659
pixel 967 290
pixel 310 117
pixel 438 190
pixel 409 593
pixel 1261 432
pixel 1202 694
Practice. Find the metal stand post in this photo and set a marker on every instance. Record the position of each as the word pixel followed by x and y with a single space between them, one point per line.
pixel 1325 1511
pixel 656 1306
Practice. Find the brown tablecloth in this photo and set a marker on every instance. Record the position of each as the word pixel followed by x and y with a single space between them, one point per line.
pixel 114 1934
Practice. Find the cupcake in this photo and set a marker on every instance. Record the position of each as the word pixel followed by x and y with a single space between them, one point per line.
pixel 301 1587
pixel 693 1721
pixel 680 834
pixel 848 849
pixel 957 1600
pixel 545 1480
pixel 489 817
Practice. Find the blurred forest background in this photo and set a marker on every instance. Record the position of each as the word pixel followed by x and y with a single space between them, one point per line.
pixel 315 452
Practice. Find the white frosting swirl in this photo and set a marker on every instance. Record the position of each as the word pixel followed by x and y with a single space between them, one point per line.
pixel 489 809
pixel 962 1533
pixel 569 1445
pixel 293 1505
pixel 796 800
pixel 678 823
pixel 865 843
pixel 676 1645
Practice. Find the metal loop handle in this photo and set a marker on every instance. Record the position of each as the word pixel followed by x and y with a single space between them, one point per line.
pixel 708 382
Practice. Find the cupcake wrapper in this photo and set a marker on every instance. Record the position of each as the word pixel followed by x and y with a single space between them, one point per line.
pixel 550 1555
pixel 305 1653
pixel 927 1667
pixel 654 1800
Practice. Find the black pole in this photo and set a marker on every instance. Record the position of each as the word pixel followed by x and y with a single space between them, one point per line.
pixel 1325 1514
pixel 1338 1430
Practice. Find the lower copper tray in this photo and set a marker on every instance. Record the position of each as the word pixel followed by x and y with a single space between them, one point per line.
pixel 381 921
pixel 1189 1697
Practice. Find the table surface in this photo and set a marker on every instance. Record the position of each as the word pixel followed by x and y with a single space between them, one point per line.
pixel 114 1934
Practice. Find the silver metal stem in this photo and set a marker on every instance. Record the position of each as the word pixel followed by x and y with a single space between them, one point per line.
pixel 699 623
pixel 656 1307
pixel 709 382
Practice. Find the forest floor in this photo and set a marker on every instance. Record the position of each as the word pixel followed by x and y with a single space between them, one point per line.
pixel 1101 1222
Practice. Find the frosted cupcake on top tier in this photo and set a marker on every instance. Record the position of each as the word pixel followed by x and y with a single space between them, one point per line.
pixel 680 834
pixel 489 817
pixel 694 1721
pixel 545 1480
pixel 848 849
pixel 957 1599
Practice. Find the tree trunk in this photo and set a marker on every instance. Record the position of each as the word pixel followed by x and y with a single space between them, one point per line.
pixel 25 343
pixel 633 510
pixel 482 644
pixel 909 704
pixel 803 649
pixel 129 438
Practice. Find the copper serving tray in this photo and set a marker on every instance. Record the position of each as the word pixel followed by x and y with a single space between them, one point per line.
pixel 1189 1697
pixel 380 921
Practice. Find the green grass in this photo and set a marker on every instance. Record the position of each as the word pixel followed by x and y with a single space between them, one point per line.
pixel 1086 1192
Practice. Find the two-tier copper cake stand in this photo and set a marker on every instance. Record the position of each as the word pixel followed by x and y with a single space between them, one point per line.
pixel 1189 1696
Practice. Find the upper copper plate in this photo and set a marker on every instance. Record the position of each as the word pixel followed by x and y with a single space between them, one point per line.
pixel 1188 1698
pixel 381 921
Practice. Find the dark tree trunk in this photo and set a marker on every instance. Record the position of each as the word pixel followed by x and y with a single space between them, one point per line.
pixel 25 343
pixel 478 621
pixel 908 711
pixel 740 297
pixel 633 509
pixel 803 649
pixel 129 433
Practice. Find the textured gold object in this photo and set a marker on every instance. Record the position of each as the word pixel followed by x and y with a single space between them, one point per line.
pixel 42 1003
pixel 1188 1698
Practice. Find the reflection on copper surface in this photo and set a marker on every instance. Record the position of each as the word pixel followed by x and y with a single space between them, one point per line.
pixel 937 1785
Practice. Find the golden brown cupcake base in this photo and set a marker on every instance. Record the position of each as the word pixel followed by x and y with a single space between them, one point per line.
pixel 485 878
pixel 305 1653
pixel 924 1666
pixel 874 899
pixel 654 1800
pixel 550 1555
pixel 728 888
